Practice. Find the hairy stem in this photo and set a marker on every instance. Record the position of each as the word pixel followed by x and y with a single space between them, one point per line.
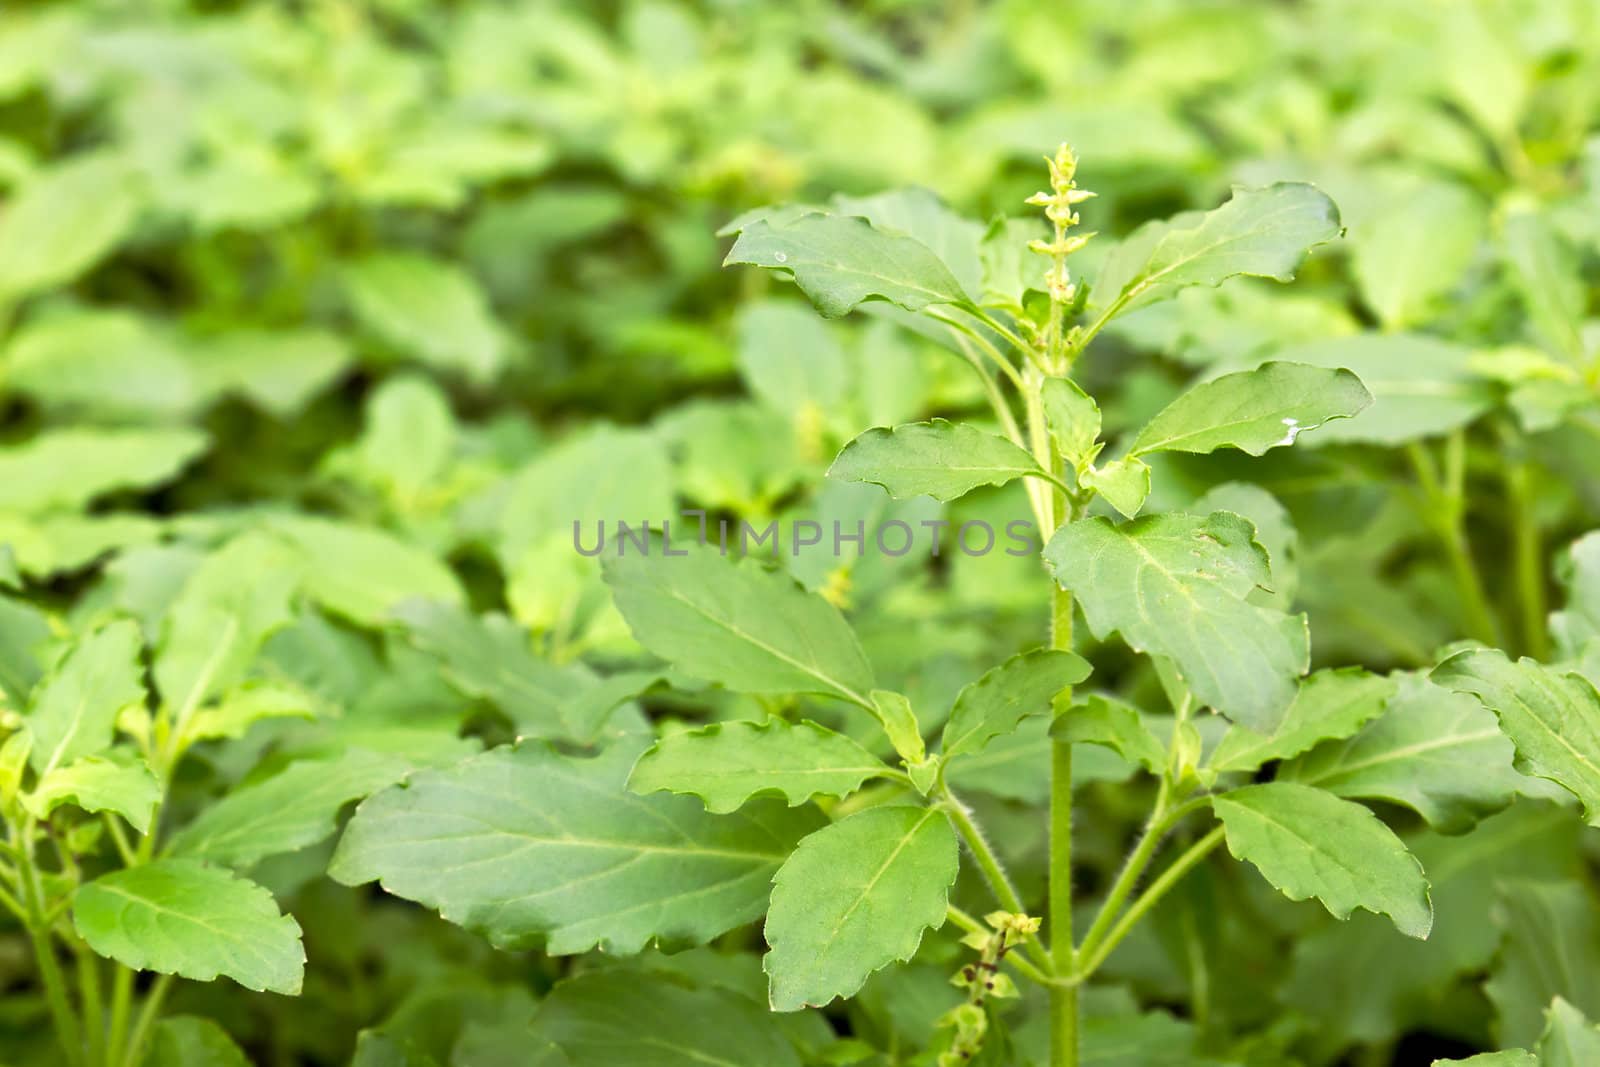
pixel 1159 888
pixel 1004 891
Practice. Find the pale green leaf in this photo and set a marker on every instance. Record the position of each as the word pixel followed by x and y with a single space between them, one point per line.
pixel 1515 1057
pixel 1309 843
pixel 1550 948
pixel 1124 483
pixel 855 897
pixel 1176 585
pixel 1119 726
pixel 1421 386
pixel 290 810
pixel 1023 685
pixel 75 708
pixel 430 310
pixel 725 764
pixel 251 702
pixel 1330 704
pixel 279 371
pixel 1570 1039
pixel 1433 750
pixel 179 916
pixel 119 783
pixel 1074 421
pixel 751 629
pixel 66 469
pixel 612 1018
pixel 1552 718
pixel 940 459
pixel 900 724
pixel 1253 410
pixel 63 221
pixel 362 572
pixel 1547 275
pixel 790 359
pixel 525 844
pixel 1409 255
pixel 839 261
pixel 216 625
pixel 1262 232
pixel 407 441
pixel 194 1042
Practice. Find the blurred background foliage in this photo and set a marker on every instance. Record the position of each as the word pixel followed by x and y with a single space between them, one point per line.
pixel 411 283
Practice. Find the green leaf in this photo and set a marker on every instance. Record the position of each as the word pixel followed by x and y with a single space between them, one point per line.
pixel 1577 627
pixel 491 658
pixel 1515 1057
pixel 63 221
pixel 739 624
pixel 919 214
pixel 1546 273
pixel 1570 1039
pixel 119 783
pixel 725 764
pixel 1175 585
pixel 1125 483
pixel 1309 843
pixel 66 469
pixel 407 441
pixel 855 897
pixel 940 459
pixel 292 809
pixel 611 1018
pixel 1264 232
pixel 1415 249
pixel 215 627
pixel 1103 720
pixel 430 310
pixel 790 359
pixel 1433 750
pixel 194 1042
pixel 1074 421
pixel 278 371
pixel 363 573
pixel 900 724
pixel 1253 410
pixel 1550 948
pixel 75 708
pixel 1023 685
pixel 1421 386
pixel 179 916
pixel 1552 718
pixel 24 633
pixel 253 701
pixel 1330 704
pixel 839 261
pixel 523 843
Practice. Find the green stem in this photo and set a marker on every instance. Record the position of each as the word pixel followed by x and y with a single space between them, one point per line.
pixel 1004 891
pixel 1528 554
pixel 1445 504
pixel 121 1001
pixel 1162 820
pixel 1064 1006
pixel 1159 888
pixel 93 1006
pixel 68 1034
pixel 148 1014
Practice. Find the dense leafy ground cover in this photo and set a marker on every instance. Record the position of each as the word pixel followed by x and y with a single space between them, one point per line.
pixel 1264 733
